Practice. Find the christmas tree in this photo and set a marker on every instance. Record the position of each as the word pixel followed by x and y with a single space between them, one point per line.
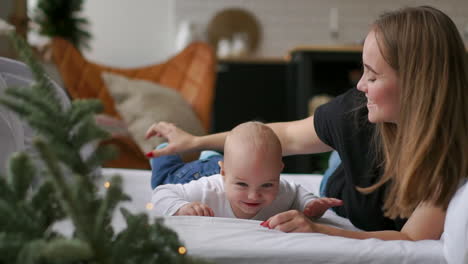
pixel 65 189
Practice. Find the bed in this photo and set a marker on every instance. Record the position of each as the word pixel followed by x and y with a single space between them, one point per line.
pixel 224 240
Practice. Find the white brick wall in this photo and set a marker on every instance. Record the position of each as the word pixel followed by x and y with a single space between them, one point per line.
pixel 286 24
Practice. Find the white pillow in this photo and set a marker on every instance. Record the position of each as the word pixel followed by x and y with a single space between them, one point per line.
pixel 456 228
pixel 142 103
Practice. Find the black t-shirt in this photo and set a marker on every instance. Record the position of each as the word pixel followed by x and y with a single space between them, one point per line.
pixel 343 125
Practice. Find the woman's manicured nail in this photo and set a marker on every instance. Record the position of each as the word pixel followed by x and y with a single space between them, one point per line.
pixel 149 154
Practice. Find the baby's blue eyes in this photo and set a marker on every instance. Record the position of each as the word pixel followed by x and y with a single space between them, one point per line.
pixel 242 184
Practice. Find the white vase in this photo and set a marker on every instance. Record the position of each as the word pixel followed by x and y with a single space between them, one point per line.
pixel 185 35
pixel 223 49
pixel 239 44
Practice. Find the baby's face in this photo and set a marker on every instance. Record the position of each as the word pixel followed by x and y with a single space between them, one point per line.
pixel 252 186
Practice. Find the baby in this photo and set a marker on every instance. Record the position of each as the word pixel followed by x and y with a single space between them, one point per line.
pixel 248 185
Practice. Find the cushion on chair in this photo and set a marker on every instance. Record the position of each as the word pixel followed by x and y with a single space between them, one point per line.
pixel 142 103
pixel 191 72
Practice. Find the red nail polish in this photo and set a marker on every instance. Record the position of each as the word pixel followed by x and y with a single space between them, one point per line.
pixel 265 224
pixel 149 154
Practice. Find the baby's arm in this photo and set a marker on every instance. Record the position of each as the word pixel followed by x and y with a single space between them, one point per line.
pixel 312 205
pixel 317 207
pixel 181 199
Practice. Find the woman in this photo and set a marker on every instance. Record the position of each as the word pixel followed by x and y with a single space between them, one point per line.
pixel 403 153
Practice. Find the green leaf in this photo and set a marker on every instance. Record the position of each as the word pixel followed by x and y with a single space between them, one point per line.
pixel 83 108
pixel 63 250
pixel 101 155
pixel 20 174
pixel 15 106
pixel 88 132
pixel 47 205
pixel 113 196
pixel 41 103
pixel 6 193
pixel 58 18
pixel 31 252
pixel 10 246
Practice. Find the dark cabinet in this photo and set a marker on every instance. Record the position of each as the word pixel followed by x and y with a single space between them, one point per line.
pixel 274 91
pixel 246 91
pixel 312 72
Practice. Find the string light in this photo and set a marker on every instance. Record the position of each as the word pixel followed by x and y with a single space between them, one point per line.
pixel 107 185
pixel 149 206
pixel 182 250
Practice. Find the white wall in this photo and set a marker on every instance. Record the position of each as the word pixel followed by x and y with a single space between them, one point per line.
pixel 290 23
pixel 129 33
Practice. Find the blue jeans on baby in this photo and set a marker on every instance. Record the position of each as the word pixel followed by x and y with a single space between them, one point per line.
pixel 172 169
pixel 333 162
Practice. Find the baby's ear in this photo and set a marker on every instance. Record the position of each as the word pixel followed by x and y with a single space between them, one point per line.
pixel 282 166
pixel 221 168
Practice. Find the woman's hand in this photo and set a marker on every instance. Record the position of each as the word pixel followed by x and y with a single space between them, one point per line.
pixel 292 221
pixel 195 208
pixel 179 140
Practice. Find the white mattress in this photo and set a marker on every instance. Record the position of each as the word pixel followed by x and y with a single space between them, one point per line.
pixel 225 240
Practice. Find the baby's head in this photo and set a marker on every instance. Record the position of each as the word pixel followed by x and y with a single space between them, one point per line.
pixel 251 168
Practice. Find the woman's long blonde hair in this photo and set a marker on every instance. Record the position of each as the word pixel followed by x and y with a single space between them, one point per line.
pixel 425 155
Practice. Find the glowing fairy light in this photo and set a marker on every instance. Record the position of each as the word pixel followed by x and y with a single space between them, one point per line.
pixel 107 185
pixel 182 250
pixel 149 206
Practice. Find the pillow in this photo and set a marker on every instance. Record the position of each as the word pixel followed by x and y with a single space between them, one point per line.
pixel 142 103
pixel 15 134
pixel 456 228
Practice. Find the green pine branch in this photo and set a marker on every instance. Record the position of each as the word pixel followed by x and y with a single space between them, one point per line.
pixel 33 198
pixel 60 18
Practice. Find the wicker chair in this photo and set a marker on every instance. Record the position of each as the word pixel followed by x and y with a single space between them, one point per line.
pixel 191 72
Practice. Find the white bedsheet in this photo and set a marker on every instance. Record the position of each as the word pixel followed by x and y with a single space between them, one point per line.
pixel 224 240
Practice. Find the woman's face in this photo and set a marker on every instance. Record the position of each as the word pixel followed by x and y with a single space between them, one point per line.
pixel 380 84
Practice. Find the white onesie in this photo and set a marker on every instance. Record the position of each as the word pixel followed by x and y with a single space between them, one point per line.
pixel 168 198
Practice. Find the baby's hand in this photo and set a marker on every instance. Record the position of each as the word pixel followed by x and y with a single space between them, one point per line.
pixel 195 208
pixel 316 208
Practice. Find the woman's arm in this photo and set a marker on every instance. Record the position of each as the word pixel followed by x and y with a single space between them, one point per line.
pixel 426 222
pixel 297 137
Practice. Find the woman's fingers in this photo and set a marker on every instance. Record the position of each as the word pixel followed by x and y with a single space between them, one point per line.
pixel 287 227
pixel 160 129
pixel 291 221
pixel 282 218
pixel 160 152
